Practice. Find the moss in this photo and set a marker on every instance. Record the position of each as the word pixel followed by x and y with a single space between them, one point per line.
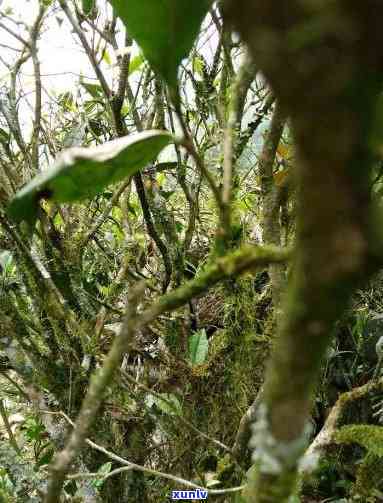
pixel 287 483
pixel 369 480
pixel 218 344
pixel 368 436
pixel 225 468
pixel 369 475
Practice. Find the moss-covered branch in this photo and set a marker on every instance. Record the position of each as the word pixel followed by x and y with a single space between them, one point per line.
pixel 326 436
pixel 271 196
pixel 324 63
pixel 245 259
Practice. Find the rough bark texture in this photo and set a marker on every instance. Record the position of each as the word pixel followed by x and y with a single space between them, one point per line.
pixel 324 62
pixel 271 195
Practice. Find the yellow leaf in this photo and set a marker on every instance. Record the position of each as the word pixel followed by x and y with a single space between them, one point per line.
pixel 107 58
pixel 280 178
pixel 284 151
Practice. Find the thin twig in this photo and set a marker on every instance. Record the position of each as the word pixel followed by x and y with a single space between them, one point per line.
pixel 93 400
pixel 11 437
pixel 79 32
pixel 174 408
pixel 15 35
pixel 188 143
pixel 37 75
pixel 128 465
pixel 104 215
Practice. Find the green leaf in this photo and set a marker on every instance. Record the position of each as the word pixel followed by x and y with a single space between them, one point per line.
pixel 167 194
pixel 87 6
pixel 164 29
pixel 81 173
pixel 33 430
pixel 106 57
pixel 198 347
pixel 198 65
pixel 67 102
pixel 95 90
pixel 46 458
pixel 102 472
pixel 4 136
pixel 170 405
pixel 135 63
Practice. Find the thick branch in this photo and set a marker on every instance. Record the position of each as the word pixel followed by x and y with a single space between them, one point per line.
pixel 328 84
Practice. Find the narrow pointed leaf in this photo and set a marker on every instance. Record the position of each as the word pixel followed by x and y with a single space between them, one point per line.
pixel 81 173
pixel 164 29
pixel 198 348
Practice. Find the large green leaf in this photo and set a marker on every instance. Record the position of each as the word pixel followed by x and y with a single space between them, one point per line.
pixel 164 29
pixel 80 173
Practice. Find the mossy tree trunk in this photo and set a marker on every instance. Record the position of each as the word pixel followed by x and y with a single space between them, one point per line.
pixel 324 62
pixel 271 195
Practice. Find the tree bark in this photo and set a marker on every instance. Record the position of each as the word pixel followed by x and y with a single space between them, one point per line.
pixel 324 62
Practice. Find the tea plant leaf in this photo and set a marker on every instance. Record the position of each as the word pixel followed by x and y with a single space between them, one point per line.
pixel 80 173
pixel 198 347
pixel 165 30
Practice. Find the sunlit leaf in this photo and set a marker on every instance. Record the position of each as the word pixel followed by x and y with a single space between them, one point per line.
pixel 67 102
pixel 198 65
pixel 6 260
pixel 136 63
pixel 160 178
pixel 165 30
pixel 81 173
pixel 106 57
pixel 102 472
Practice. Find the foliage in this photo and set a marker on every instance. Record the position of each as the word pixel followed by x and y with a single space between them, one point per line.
pixel 182 158
pixel 198 347
pixel 165 31
pixel 83 173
